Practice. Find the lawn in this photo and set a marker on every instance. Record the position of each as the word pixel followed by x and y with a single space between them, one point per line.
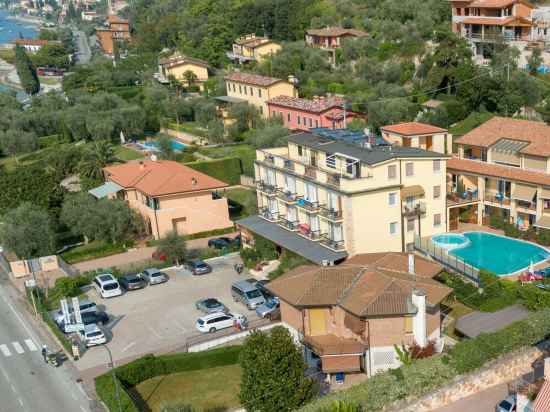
pixel 188 127
pixel 125 154
pixel 214 389
pixel 51 81
pixel 245 152
pixel 246 198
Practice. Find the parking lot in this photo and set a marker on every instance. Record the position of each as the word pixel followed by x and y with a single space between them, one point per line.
pixel 160 318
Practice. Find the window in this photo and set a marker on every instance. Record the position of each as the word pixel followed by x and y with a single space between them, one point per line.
pixel 311 193
pixel 437 166
pixel 437 192
pixel 298 117
pixel 288 117
pixel 300 151
pixel 310 122
pixel 245 92
pixel 392 198
pixel 393 228
pixel 331 160
pixel 234 88
pixel 259 92
pixel 392 172
pixel 251 91
pixel 409 169
pixel 410 225
pixel 240 89
pixel 316 123
pixel 437 219
pixel 409 324
pixel 333 201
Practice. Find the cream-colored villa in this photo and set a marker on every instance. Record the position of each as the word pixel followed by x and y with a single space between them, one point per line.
pixel 327 199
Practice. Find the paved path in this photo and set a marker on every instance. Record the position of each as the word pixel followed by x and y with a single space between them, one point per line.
pixel 84 53
pixel 480 402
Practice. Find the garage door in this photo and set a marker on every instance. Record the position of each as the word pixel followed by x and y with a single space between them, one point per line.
pixel 334 364
pixel 317 322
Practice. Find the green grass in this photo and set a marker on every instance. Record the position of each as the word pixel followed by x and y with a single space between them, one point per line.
pixel 246 198
pixel 245 152
pixel 49 80
pixel 188 127
pixel 125 154
pixel 92 250
pixel 205 390
pixel 8 55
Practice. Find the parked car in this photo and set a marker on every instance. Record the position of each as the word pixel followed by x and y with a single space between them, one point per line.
pixel 260 285
pixel 92 335
pixel 270 309
pixel 216 321
pixel 85 305
pixel 247 293
pixel 154 276
pixel 132 282
pixel 198 267
pixel 88 318
pixel 107 286
pixel 210 305
pixel 507 405
pixel 543 272
pixel 224 242
pixel 543 286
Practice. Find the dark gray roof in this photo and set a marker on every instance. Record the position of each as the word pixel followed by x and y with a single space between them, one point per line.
pixel 289 240
pixel 376 154
pixel 475 323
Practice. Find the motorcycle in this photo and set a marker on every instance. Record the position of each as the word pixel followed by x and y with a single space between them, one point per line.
pixel 239 267
pixel 51 358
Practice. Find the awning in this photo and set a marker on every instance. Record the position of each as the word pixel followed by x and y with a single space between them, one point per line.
pixel 324 345
pixel 335 364
pixel 410 191
pixel 543 222
pixel 230 99
pixel 310 250
pixel 525 193
pixel 105 189
pixel 545 194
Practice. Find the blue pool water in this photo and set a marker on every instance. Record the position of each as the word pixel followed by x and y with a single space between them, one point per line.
pixel 499 254
pixel 10 28
pixel 450 240
pixel 153 145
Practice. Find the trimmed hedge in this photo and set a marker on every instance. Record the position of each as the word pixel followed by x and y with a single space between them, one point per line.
pixel 93 250
pixel 227 170
pixel 425 375
pixel 150 366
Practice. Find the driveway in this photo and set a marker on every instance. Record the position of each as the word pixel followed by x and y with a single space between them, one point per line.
pixel 161 318
pixel 480 402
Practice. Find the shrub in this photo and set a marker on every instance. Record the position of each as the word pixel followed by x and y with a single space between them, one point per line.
pixel 227 170
pixel 94 250
pixel 47 141
pixel 543 237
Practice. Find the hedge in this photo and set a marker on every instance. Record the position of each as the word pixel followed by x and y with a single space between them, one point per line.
pixel 150 366
pixel 94 250
pixel 227 170
pixel 426 375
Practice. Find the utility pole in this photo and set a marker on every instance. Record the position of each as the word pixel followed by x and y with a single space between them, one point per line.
pixel 115 380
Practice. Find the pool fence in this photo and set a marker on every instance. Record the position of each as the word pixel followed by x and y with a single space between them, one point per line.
pixel 441 255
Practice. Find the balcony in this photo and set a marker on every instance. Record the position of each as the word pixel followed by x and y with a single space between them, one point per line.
pixel 291 225
pixel 414 210
pixel 333 180
pixel 267 188
pixel 331 214
pixel 305 230
pixel 455 198
pixel 336 245
pixel 311 172
pixel 268 215
pixel 529 207
pixel 308 205
pixel 288 164
pixel 287 196
pixel 269 158
pixel 498 198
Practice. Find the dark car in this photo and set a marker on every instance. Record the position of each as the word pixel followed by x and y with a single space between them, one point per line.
pixel 210 305
pixel 224 242
pixel 198 267
pixel 132 282
pixel 95 317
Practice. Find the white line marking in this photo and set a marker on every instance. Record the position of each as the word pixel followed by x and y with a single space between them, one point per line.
pixel 5 351
pixel 6 376
pixel 20 401
pixel 18 316
pixel 13 388
pixel 73 396
pixel 128 346
pixel 18 348
pixel 30 344
pixel 81 389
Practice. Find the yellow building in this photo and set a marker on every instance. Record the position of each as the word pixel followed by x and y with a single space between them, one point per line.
pixel 257 90
pixel 327 199
pixel 178 65
pixel 253 48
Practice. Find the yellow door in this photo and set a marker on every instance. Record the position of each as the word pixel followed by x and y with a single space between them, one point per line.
pixel 317 322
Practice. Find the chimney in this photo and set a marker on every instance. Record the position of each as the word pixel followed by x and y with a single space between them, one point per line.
pixel 411 264
pixel 419 320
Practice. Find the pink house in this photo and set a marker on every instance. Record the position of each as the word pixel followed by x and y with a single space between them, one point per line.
pixel 305 114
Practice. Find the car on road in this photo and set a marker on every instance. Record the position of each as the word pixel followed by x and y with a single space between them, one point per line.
pixel 107 286
pixel 153 276
pixel 246 292
pixel 270 309
pixel 92 335
pixel 132 282
pixel 224 242
pixel 85 305
pixel 215 321
pixel 507 405
pixel 198 267
pixel 210 305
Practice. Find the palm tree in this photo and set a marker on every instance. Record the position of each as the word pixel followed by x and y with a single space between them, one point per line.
pixel 96 157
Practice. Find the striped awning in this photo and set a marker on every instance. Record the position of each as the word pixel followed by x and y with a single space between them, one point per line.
pixel 543 222
pixel 411 191
pixel 525 193
pixel 542 401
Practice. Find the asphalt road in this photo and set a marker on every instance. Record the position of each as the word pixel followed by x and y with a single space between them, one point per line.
pixel 84 53
pixel 28 384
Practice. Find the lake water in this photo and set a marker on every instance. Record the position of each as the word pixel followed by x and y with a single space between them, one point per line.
pixel 10 29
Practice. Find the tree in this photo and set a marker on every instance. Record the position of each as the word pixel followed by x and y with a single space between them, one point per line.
pixel 173 247
pixel 27 231
pixel 26 71
pixel 273 373
pixel 13 142
pixel 95 158
pixel 190 77
pixel 535 61
pixel 273 135
pixel 166 150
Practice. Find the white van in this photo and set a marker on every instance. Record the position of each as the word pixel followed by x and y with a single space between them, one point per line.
pixel 107 286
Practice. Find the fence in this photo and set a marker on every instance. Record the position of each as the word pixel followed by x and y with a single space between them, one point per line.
pixel 442 255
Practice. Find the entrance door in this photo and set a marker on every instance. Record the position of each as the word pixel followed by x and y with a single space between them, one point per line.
pixel 429 142
pixel 317 322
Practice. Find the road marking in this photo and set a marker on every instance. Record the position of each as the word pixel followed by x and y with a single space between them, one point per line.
pixel 18 348
pixel 5 350
pixel 18 316
pixel 128 346
pixel 30 344
pixel 20 401
pixel 13 388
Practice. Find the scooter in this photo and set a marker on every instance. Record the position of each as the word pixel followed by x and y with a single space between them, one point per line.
pixel 51 358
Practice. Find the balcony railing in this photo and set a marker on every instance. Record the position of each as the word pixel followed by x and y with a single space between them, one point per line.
pixel 330 214
pixel 336 245
pixel 308 205
pixel 287 196
pixel 268 215
pixel 311 172
pixel 269 159
pixel 414 210
pixel 288 164
pixel 333 180
pixel 531 206
pixel 288 224
pixel 305 230
pixel 267 188
pixel 497 198
pixel 455 198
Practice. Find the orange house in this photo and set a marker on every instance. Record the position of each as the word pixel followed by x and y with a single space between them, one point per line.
pixel 169 195
pixel 118 29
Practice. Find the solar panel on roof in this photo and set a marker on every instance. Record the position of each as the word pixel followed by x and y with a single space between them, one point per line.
pixel 347 136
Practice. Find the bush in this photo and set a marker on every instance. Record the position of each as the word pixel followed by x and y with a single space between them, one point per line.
pixel 263 250
pixel 94 250
pixel 543 237
pixel 289 260
pixel 48 141
pixel 227 170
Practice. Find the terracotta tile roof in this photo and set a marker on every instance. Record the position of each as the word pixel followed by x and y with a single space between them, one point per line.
pixel 178 59
pixel 253 42
pixel 313 106
pixel 253 79
pixel 161 177
pixel 334 345
pixel 497 4
pixel 542 401
pixel 496 128
pixel 336 32
pixel 412 128
pixel 510 21
pixel 488 169
pixel 343 363
pixel 33 42
pixel 370 285
pixel 432 103
pixel 116 20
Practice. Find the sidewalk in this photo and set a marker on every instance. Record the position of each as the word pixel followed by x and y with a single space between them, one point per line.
pixel 138 255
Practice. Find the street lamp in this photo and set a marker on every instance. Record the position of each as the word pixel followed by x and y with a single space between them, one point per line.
pixel 115 380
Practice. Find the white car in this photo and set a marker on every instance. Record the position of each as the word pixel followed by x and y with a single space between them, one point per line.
pixel 92 335
pixel 107 286
pixel 216 321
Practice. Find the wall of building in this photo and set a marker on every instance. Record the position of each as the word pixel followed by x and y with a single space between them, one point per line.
pixel 178 71
pixel 258 96
pixel 264 50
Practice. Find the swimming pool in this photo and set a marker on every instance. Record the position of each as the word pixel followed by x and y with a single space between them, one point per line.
pixel 154 146
pixel 499 254
pixel 450 240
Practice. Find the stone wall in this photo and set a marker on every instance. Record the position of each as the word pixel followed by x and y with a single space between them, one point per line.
pixel 502 370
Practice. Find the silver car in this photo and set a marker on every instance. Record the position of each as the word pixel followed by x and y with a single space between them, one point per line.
pixel 210 305
pixel 154 276
pixel 270 309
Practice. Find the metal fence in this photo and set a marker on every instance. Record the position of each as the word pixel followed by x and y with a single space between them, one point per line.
pixel 442 255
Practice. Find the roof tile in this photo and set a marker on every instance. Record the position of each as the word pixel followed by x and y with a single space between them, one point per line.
pixel 314 106
pixel 412 128
pixel 253 79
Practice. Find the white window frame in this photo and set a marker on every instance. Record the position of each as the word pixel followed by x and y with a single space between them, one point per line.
pixel 392 198
pixel 393 228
